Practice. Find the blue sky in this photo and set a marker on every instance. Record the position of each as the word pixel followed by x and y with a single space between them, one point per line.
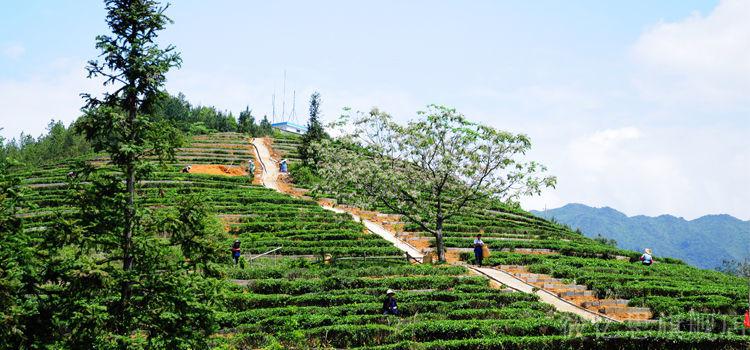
pixel 637 105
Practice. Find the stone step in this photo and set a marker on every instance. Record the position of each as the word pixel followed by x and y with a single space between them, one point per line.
pixel 580 300
pixel 607 302
pixel 624 310
pixel 576 293
pixel 300 190
pixel 513 267
pixel 527 275
pixel 392 223
pixel 560 286
pixel 328 201
pixel 541 280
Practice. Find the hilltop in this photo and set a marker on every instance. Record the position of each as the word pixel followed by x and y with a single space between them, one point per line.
pixel 704 242
pixel 324 286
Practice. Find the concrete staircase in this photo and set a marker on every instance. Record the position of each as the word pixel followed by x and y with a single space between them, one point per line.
pixel 579 295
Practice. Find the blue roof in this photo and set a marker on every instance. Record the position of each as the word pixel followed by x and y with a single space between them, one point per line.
pixel 290 124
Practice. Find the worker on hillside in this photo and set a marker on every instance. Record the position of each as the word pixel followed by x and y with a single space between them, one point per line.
pixel 646 258
pixel 389 304
pixel 283 166
pixel 251 167
pixel 236 251
pixel 186 169
pixel 478 245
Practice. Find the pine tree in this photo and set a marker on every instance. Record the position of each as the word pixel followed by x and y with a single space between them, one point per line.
pixel 118 123
pixel 246 122
pixel 315 133
pixel 265 128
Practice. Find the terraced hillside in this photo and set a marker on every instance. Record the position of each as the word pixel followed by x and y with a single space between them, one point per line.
pixel 325 286
pixel 544 255
pixel 667 288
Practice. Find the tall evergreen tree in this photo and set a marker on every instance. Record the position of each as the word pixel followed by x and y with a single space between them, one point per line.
pixel 17 265
pixel 118 123
pixel 265 128
pixel 246 122
pixel 315 132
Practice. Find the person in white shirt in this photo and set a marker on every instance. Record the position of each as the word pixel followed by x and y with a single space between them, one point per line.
pixel 478 244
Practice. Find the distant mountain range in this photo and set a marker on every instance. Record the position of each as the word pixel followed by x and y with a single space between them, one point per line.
pixel 703 242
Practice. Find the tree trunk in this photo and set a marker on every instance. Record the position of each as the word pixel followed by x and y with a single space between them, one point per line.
pixel 129 219
pixel 127 242
pixel 440 246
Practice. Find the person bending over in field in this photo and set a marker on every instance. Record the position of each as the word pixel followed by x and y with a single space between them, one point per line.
pixel 389 305
pixel 236 251
pixel 478 244
pixel 646 258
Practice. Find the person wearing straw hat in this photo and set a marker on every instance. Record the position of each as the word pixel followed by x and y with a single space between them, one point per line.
pixel 389 304
pixel 646 258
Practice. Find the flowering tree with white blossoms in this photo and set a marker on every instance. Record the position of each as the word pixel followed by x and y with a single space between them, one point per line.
pixel 430 169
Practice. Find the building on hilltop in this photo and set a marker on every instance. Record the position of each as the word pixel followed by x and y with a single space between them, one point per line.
pixel 290 127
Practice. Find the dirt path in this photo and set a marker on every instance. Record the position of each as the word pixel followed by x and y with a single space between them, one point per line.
pixel 270 179
pixel 270 168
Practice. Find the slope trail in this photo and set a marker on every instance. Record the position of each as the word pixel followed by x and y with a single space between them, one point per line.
pixel 269 166
pixel 270 178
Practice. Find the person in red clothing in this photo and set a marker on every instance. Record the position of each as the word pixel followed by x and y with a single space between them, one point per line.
pixel 236 251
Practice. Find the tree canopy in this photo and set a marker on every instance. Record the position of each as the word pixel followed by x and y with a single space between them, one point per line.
pixel 315 133
pixel 430 169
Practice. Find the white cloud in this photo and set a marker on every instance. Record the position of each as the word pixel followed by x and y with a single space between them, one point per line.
pixel 14 51
pixel 606 139
pixel 676 170
pixel 29 104
pixel 698 59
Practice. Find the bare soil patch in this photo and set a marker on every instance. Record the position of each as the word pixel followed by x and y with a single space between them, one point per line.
pixel 217 169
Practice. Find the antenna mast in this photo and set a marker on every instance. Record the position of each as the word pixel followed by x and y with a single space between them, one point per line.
pixel 283 98
pixel 273 107
pixel 293 116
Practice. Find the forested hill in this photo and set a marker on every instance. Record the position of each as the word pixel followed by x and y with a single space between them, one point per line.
pixel 703 242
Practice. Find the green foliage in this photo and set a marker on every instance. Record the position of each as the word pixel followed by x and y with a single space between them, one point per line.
pixel 314 134
pixel 18 267
pixel 605 241
pixel 107 276
pixel 265 128
pixel 190 225
pixel 667 289
pixel 56 145
pixel 197 120
pixel 429 170
pixel 246 122
pixel 303 176
pixel 694 241
pixel 198 128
